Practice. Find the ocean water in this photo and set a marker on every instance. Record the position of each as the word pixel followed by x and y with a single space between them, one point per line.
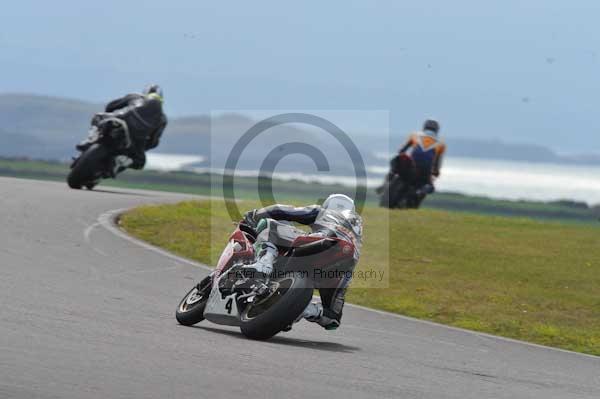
pixel 491 178
pixel 521 180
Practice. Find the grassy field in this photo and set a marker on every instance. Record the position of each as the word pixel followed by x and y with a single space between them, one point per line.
pixel 519 278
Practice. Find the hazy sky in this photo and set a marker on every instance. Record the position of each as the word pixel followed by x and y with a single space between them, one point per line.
pixel 523 70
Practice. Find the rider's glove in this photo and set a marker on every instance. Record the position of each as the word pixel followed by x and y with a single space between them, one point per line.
pixel 250 218
pixel 97 118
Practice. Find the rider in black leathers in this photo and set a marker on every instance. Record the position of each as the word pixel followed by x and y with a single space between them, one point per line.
pixel 143 116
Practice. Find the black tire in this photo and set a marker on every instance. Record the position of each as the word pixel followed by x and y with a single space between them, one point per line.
pixel 190 314
pixel 384 199
pixel 415 203
pixel 88 168
pixel 262 323
pixel 391 194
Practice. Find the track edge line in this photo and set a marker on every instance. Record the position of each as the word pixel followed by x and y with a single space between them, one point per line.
pixel 109 219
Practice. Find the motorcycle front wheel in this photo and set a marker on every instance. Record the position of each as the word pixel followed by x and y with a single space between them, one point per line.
pixel 191 308
pixel 87 169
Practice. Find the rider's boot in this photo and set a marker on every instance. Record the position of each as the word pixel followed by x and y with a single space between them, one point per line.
pixel 264 264
pixel 315 313
pixel 425 189
pixel 121 162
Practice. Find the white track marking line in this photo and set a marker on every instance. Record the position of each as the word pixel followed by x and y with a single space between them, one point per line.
pixel 88 231
pixel 86 236
pixel 108 221
pixel 475 333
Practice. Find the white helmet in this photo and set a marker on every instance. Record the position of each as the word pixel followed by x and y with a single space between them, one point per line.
pixel 339 203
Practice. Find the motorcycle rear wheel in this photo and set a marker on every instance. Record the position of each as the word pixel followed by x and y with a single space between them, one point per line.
pixel 271 315
pixel 88 168
pixel 392 193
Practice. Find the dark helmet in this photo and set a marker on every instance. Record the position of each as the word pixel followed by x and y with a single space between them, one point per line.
pixel 154 91
pixel 432 126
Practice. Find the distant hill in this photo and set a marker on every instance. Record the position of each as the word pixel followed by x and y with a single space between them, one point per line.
pixel 48 128
pixel 40 126
pixel 496 149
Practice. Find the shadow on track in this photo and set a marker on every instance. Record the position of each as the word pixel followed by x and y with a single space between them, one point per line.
pixel 281 340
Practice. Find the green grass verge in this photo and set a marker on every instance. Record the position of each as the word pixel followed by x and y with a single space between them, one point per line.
pixel 519 278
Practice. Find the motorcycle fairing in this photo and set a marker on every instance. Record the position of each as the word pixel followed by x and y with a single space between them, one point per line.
pixel 221 310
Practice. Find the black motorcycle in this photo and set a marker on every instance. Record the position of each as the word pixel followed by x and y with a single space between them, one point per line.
pixel 397 191
pixel 96 160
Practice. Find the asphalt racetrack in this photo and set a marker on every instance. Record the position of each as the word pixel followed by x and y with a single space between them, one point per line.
pixel 87 313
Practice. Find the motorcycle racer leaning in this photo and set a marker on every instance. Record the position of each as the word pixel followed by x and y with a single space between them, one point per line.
pixel 426 151
pixel 139 114
pixel 324 221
